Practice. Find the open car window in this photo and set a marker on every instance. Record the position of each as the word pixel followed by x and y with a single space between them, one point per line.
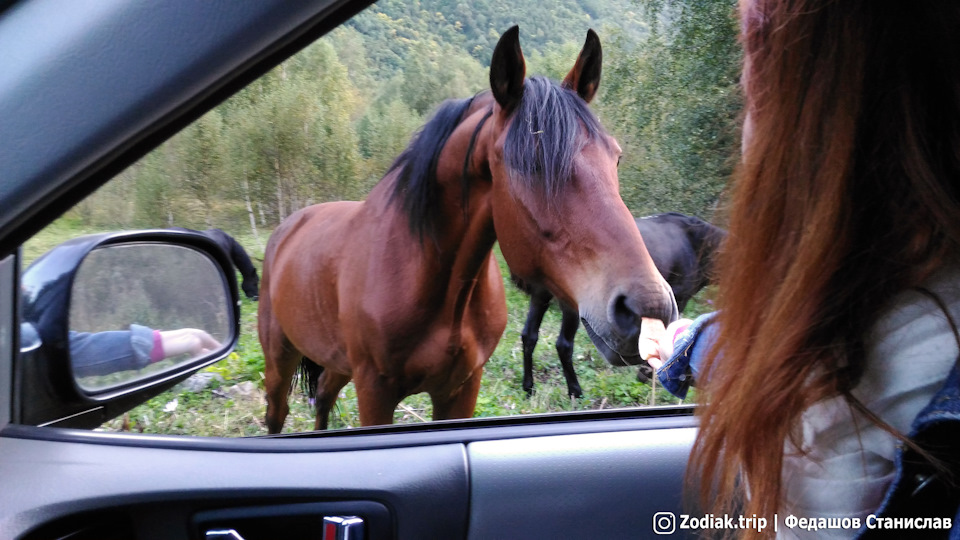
pixel 329 123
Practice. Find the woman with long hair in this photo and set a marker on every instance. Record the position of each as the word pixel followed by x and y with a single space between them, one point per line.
pixel 822 382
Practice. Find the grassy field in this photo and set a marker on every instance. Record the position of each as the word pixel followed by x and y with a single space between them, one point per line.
pixel 233 404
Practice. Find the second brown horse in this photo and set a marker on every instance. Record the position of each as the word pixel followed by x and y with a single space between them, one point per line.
pixel 401 292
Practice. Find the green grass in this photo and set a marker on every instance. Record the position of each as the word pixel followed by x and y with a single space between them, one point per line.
pixel 220 411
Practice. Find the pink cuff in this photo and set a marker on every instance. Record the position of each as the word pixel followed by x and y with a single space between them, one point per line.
pixel 156 353
pixel 681 328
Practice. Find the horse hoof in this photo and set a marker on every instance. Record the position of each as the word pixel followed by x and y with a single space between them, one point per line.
pixel 644 373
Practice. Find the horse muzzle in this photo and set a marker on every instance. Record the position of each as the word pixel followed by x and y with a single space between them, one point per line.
pixel 615 356
pixel 617 335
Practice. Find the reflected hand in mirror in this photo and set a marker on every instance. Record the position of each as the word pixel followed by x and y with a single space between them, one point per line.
pixel 187 341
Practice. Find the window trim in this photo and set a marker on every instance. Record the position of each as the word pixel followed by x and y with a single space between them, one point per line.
pixel 389 436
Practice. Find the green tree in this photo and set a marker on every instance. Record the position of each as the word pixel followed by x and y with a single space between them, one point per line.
pixel 674 101
pixel 155 191
pixel 200 150
pixel 433 73
pixel 328 122
pixel 384 131
pixel 291 137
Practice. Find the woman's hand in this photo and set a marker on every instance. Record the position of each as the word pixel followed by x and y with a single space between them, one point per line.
pixel 656 342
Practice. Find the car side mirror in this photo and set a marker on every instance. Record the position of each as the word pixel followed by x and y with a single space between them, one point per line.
pixel 144 308
pixel 109 321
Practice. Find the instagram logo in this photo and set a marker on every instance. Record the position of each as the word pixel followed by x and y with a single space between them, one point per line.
pixel 664 523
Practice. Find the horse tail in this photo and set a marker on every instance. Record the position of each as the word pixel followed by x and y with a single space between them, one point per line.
pixel 309 374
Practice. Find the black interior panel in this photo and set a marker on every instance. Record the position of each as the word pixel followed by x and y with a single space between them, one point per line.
pixel 555 480
pixel 596 485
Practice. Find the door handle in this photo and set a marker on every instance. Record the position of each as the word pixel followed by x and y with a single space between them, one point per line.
pixel 343 528
pixel 223 534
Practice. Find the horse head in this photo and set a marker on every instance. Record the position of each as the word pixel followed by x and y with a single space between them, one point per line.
pixel 556 204
pixel 251 286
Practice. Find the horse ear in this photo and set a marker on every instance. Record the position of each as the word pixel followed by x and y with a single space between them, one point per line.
pixel 584 78
pixel 507 70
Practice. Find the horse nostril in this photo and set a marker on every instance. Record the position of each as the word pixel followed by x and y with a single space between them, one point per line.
pixel 625 318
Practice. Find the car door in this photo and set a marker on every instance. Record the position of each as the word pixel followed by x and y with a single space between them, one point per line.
pixel 86 88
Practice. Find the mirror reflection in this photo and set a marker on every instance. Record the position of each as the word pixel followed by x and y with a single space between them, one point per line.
pixel 143 308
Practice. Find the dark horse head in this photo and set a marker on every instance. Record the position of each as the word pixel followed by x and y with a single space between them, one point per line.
pixel 683 248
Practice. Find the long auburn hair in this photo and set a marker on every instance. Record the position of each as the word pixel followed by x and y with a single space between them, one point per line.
pixel 848 192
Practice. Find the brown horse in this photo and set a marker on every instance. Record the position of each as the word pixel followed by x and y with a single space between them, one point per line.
pixel 683 249
pixel 401 292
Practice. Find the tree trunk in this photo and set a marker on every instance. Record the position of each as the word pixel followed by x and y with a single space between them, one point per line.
pixel 253 219
pixel 276 169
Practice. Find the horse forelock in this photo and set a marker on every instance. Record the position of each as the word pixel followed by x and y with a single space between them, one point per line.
pixel 416 166
pixel 547 133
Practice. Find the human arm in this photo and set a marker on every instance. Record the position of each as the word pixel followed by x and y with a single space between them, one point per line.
pixel 103 353
pixel 684 344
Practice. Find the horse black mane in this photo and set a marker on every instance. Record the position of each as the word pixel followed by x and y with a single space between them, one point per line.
pixel 542 141
pixel 417 180
pixel 705 238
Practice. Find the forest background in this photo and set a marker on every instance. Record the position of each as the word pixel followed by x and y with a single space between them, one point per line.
pixel 327 123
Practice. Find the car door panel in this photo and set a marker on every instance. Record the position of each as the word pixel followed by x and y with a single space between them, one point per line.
pixel 78 478
pixel 8 288
pixel 594 485
pixel 604 478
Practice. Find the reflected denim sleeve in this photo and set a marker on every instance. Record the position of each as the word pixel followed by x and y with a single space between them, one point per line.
pixel 103 353
pixel 680 372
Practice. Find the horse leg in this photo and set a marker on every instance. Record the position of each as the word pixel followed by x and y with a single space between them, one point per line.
pixel 531 333
pixel 281 359
pixel 376 400
pixel 328 388
pixel 462 402
pixel 568 330
pixel 644 373
pixel 278 376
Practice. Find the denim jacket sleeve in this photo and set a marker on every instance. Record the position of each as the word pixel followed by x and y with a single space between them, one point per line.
pixel 680 372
